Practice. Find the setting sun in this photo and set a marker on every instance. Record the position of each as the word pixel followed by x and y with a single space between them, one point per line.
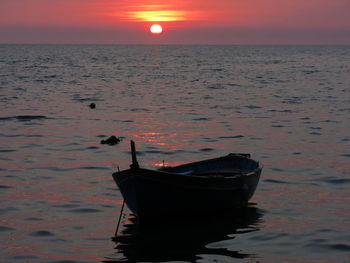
pixel 156 29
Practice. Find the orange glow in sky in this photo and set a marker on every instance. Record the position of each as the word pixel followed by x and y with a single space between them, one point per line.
pixel 156 11
pixel 156 16
pixel 204 21
pixel 153 13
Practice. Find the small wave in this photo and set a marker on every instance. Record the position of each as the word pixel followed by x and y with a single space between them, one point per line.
pixel 85 99
pixel 338 247
pixel 42 233
pixel 277 169
pixel 140 110
pixel 67 169
pixel 66 206
pixel 335 180
pixel 92 168
pixel 315 133
pixel 201 119
pixel 5 229
pixel 50 76
pixel 282 111
pixel 341 247
pixel 6 187
pixel 26 258
pixel 206 149
pixel 307 72
pixel 231 137
pixel 92 148
pixel 66 261
pixel 6 210
pixel 25 135
pixel 269 236
pixel 292 101
pixel 217 86
pixel 153 151
pixel 252 107
pixel 24 118
pixel 233 85
pixel 33 219
pixel 55 169
pixel 7 151
pixel 276 181
pixel 85 210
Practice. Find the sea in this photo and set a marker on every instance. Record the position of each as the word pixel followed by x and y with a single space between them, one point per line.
pixel 288 106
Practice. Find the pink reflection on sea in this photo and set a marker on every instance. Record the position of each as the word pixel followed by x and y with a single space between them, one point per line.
pixel 162 164
pixel 155 138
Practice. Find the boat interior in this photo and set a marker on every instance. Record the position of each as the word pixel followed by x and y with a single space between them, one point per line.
pixel 227 166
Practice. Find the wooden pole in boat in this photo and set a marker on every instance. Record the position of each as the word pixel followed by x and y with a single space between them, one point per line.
pixel 134 164
pixel 120 218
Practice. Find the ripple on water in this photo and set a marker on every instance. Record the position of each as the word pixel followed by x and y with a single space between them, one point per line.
pixel 68 261
pixel 85 210
pixel 6 229
pixel 33 219
pixel 7 151
pixel 276 181
pixel 315 133
pixel 66 206
pixel 93 168
pixel 153 152
pixel 335 180
pixel 6 210
pixel 340 247
pixel 24 118
pixel 326 247
pixel 25 257
pixel 41 233
pixel 92 148
pixel 252 107
pixel 201 119
pixel 5 187
pixel 206 149
pixel 232 137
pixel 269 236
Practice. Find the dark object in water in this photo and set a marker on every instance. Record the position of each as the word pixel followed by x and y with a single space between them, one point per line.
pixel 205 187
pixel 92 105
pixel 111 140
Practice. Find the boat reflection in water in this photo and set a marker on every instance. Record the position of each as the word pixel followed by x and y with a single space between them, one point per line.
pixel 186 239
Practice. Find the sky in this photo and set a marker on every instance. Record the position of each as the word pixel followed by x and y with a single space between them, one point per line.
pixel 183 21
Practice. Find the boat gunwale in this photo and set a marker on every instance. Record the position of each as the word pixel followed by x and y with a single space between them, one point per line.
pixel 164 170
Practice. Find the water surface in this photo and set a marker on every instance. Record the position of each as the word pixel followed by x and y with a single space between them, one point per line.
pixel 286 105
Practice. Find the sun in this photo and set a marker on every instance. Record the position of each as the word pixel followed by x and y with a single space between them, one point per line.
pixel 156 29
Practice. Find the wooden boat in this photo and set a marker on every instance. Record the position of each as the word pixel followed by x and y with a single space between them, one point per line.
pixel 204 187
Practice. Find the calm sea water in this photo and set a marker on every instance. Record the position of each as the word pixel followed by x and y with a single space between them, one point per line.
pixel 289 106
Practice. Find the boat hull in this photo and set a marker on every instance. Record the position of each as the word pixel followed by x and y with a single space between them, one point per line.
pixel 150 193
